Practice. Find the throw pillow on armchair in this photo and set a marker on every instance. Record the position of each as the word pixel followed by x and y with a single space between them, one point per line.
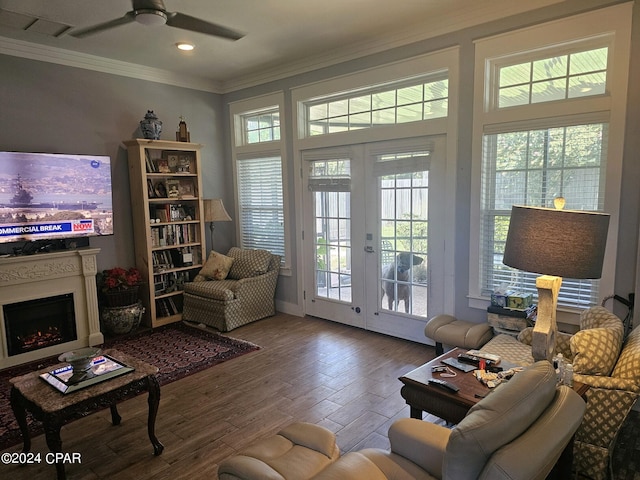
pixel 216 268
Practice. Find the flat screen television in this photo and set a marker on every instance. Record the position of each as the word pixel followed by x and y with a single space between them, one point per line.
pixel 52 196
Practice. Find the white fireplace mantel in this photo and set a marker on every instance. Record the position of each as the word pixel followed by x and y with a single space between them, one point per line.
pixel 43 275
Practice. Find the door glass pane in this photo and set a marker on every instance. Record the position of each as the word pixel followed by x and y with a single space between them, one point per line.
pixel 403 249
pixel 329 181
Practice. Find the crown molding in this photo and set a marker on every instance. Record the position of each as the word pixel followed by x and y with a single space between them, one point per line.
pixel 447 22
pixel 44 53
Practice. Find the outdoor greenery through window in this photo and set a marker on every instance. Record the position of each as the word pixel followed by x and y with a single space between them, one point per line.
pixel 261 126
pixel 553 78
pixel 376 106
pixel 532 168
pixel 330 182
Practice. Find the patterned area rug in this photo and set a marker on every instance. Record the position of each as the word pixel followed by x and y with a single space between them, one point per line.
pixel 178 350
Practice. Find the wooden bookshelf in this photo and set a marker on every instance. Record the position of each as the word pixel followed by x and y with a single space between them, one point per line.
pixel 168 227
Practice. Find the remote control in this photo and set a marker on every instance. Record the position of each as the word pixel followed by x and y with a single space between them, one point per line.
pixel 443 384
pixel 486 356
pixel 473 360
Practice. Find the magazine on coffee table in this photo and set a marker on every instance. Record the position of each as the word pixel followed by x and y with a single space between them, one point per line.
pixel 103 367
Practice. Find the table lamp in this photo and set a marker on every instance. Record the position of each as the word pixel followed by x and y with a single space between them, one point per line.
pixel 214 211
pixel 555 243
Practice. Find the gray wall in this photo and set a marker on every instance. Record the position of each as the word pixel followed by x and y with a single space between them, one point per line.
pixel 53 108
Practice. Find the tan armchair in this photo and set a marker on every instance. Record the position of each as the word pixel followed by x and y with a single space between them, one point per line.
pixel 601 360
pixel 494 441
pixel 245 294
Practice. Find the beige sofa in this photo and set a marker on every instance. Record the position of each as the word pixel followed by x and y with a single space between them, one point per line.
pixel 494 441
pixel 234 289
pixel 602 360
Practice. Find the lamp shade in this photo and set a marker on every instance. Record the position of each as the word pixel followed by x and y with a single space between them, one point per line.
pixel 563 243
pixel 214 211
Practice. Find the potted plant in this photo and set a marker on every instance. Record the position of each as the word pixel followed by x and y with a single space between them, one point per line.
pixel 122 310
pixel 119 286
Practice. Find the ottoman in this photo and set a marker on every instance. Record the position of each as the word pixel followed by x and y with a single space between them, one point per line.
pixel 448 330
pixel 300 451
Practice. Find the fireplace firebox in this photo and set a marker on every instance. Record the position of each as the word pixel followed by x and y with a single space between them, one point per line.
pixel 40 323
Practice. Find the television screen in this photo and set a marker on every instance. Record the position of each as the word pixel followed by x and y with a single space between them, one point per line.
pixel 45 196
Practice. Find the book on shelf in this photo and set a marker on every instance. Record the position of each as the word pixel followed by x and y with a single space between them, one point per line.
pixel 102 368
pixel 150 166
pixel 166 307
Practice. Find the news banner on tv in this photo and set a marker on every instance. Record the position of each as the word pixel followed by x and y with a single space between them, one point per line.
pixel 48 228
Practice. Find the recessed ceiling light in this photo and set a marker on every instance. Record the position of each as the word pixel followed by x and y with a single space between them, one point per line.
pixel 185 46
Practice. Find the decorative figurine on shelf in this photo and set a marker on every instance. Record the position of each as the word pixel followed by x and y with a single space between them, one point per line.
pixel 151 126
pixel 183 135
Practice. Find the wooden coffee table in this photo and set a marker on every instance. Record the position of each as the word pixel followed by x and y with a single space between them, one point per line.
pixel 30 393
pixel 449 406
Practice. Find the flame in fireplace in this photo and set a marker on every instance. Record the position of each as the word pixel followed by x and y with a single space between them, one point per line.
pixel 40 339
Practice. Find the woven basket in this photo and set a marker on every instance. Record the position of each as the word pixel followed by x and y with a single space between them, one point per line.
pixel 121 298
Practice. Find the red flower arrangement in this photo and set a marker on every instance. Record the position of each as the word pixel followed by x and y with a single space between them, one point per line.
pixel 118 279
pixel 119 287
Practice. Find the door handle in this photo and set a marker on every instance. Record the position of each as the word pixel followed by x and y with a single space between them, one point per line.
pixel 369 249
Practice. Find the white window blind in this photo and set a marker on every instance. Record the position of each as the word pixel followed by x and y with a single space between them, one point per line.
pixel 532 167
pixel 260 199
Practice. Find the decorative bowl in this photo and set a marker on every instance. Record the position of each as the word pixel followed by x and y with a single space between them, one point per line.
pixel 80 360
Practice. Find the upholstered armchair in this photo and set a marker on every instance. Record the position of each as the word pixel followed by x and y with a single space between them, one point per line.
pixel 529 414
pixel 233 290
pixel 601 360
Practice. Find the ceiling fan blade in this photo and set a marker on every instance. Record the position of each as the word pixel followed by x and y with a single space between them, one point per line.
pixel 148 5
pixel 187 22
pixel 85 32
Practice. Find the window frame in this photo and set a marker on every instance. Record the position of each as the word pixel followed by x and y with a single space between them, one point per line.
pixel 242 150
pixel 576 33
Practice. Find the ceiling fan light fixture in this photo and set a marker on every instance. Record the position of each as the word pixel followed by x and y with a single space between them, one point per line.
pixel 150 17
pixel 184 46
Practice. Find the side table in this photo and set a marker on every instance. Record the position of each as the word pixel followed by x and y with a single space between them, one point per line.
pixel 29 393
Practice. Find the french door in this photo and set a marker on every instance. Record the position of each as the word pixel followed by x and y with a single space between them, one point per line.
pixel 373 249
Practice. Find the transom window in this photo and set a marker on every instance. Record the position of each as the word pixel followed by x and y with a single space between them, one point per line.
pixel 558 77
pixel 263 126
pixel 404 102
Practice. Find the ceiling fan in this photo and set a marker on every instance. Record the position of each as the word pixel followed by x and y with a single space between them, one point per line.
pixel 153 12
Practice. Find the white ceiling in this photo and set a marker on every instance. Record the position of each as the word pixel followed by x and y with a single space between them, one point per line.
pixel 282 37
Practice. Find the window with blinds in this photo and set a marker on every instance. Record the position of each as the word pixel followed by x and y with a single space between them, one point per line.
pixel 532 167
pixel 260 203
pixel 549 120
pixel 259 155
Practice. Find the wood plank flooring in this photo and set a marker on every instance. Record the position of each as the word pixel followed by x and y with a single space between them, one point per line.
pixel 307 369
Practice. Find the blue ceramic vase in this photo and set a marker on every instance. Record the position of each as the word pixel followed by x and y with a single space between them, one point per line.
pixel 150 126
